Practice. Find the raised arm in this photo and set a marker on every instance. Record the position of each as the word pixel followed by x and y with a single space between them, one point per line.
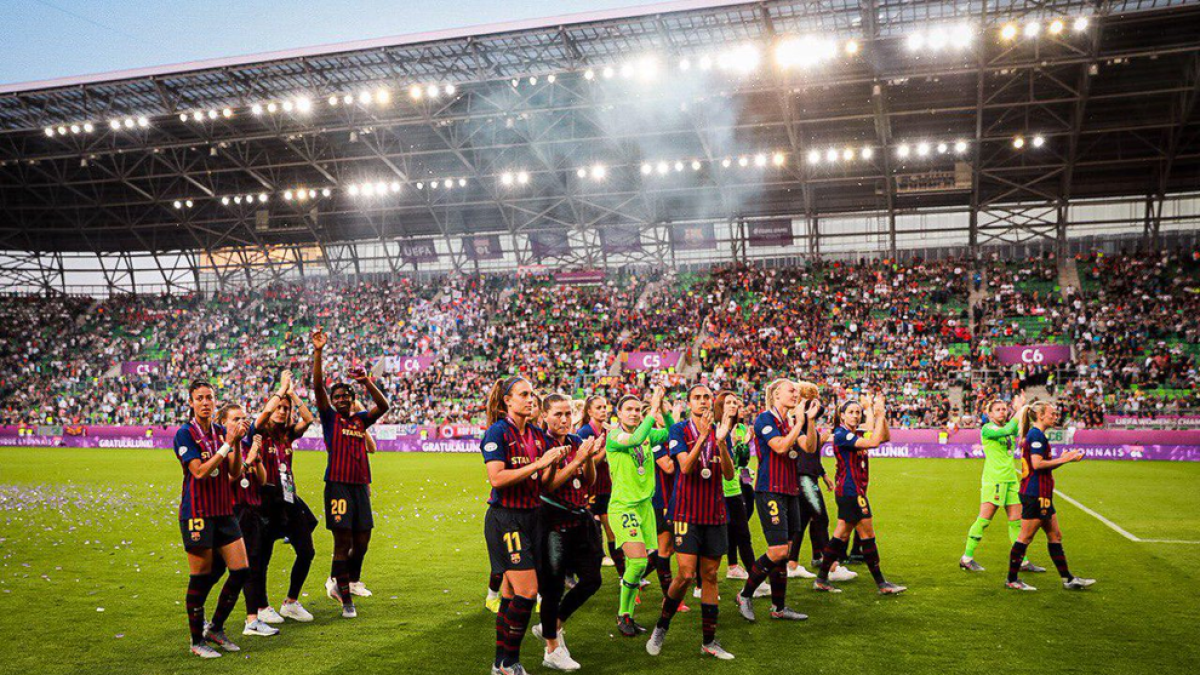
pixel 377 397
pixel 302 411
pixel 319 340
pixel 264 417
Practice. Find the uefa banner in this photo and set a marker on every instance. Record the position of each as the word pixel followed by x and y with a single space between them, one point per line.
pixel 418 251
pixel 549 244
pixel 1155 420
pixel 407 364
pixel 1033 355
pixel 770 233
pixel 701 237
pixel 482 247
pixel 140 367
pixel 621 239
pixel 640 361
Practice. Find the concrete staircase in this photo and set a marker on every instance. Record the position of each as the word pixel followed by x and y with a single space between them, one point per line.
pixel 1068 275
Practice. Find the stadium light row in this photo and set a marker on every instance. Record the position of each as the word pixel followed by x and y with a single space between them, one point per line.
pixel 792 52
pixel 830 156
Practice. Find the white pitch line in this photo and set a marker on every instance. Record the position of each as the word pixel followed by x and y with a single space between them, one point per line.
pixel 1117 528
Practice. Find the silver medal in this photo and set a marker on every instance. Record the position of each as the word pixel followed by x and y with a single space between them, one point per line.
pixel 534 476
pixel 706 473
pixel 245 482
pixel 215 472
pixel 641 471
pixel 282 466
pixel 793 454
pixel 576 484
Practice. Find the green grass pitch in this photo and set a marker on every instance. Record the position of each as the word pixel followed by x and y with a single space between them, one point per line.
pixel 88 530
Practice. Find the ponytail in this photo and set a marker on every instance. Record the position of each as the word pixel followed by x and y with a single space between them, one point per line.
pixel 1031 413
pixel 496 410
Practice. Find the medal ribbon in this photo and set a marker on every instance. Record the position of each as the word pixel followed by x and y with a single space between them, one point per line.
pixel 706 451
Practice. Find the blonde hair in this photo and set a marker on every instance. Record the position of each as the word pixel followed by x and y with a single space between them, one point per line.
pixel 1032 412
pixel 769 392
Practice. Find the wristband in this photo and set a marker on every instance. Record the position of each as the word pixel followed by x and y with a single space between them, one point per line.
pixel 223 451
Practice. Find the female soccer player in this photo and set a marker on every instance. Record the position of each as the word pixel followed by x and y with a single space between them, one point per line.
pixel 1000 480
pixel 665 470
pixel 206 518
pixel 596 412
pixel 780 437
pixel 288 516
pixel 631 460
pixel 850 489
pixel 814 518
pixel 247 508
pixel 348 471
pixel 697 513
pixel 1037 496
pixel 572 544
pixel 741 543
pixel 518 460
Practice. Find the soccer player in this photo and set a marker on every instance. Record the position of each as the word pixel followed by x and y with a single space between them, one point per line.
pixel 780 438
pixel 664 485
pixel 288 516
pixel 596 411
pixel 206 518
pixel 1000 489
pixel 850 490
pixel 572 544
pixel 697 513
pixel 347 472
pixel 1037 496
pixel 631 457
pixel 741 543
pixel 247 508
pixel 518 460
pixel 814 517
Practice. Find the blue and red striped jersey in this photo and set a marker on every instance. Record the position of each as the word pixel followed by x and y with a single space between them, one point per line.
pixel 603 484
pixel 664 483
pixel 503 443
pixel 274 452
pixel 696 499
pixel 209 495
pixel 853 470
pixel 1033 482
pixel 776 472
pixel 346 446
pixel 575 492
pixel 246 490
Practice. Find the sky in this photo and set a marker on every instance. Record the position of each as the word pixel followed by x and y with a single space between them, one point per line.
pixel 45 39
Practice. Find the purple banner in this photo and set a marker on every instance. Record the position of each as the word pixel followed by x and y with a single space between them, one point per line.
pixel 621 239
pixel 418 251
pixel 482 247
pixel 407 364
pixel 1162 453
pixel 1033 355
pixel 652 360
pixel 140 367
pixel 693 237
pixel 770 233
pixel 549 244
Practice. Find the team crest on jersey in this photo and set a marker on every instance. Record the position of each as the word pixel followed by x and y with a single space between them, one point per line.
pixel 674 442
pixel 182 451
pixel 678 541
pixel 337 519
pixel 768 429
pixel 490 447
pixel 195 536
pixel 516 558
pixel 774 520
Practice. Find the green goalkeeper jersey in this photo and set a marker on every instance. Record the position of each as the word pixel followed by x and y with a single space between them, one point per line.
pixel 998 464
pixel 632 463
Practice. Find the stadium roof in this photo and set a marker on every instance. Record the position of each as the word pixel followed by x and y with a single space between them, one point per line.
pixel 835 107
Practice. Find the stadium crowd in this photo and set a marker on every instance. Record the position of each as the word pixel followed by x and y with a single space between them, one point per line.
pixel 909 330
